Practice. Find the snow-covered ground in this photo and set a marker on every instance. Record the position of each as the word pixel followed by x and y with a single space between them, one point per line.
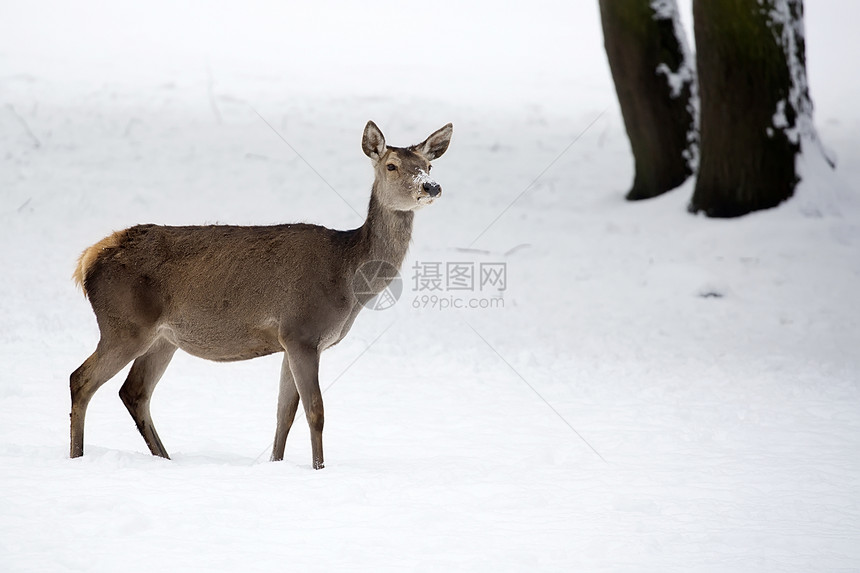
pixel 659 392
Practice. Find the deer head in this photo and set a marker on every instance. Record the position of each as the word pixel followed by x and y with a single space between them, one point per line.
pixel 403 181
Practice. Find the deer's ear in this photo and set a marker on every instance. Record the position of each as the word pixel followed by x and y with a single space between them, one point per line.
pixel 435 145
pixel 373 142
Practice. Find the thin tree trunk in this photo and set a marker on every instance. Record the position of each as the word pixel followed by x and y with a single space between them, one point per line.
pixel 654 77
pixel 755 103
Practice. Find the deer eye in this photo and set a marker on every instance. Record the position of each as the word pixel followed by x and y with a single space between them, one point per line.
pixel 391 167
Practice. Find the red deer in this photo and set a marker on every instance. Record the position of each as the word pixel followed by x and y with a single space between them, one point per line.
pixel 233 293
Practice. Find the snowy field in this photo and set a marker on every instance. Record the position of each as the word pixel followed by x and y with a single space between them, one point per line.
pixel 659 392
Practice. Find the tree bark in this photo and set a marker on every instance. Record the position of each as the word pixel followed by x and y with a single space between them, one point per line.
pixel 755 103
pixel 654 77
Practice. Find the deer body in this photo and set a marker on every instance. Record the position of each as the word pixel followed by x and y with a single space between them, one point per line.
pixel 229 293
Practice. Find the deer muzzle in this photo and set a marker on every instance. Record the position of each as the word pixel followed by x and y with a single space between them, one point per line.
pixel 432 188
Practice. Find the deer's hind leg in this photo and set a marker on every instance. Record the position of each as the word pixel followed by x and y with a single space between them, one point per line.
pixel 137 389
pixel 111 356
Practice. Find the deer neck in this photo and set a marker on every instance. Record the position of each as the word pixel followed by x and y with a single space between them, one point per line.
pixel 386 233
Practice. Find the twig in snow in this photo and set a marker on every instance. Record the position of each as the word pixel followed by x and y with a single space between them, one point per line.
pixel 36 143
pixel 210 88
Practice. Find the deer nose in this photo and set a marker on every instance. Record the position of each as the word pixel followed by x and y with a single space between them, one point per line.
pixel 432 188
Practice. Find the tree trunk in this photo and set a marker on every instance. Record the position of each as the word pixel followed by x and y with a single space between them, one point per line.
pixel 654 77
pixel 755 103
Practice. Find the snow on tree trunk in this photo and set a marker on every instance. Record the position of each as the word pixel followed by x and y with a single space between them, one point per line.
pixel 755 106
pixel 655 79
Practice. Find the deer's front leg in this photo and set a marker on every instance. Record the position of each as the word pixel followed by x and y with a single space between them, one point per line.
pixel 304 365
pixel 288 403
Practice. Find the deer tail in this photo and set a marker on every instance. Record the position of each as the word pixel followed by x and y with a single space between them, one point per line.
pixel 91 255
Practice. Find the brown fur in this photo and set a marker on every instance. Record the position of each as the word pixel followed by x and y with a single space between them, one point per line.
pixel 232 293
